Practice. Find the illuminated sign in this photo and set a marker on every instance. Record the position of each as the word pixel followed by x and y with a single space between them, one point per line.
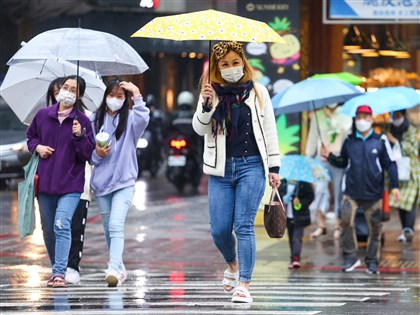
pixel 371 11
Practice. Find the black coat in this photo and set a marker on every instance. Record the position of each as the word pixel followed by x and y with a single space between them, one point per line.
pixel 305 192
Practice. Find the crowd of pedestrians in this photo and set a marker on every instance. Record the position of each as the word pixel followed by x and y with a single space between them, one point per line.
pixel 82 157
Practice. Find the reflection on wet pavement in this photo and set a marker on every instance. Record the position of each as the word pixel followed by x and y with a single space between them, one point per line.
pixel 174 268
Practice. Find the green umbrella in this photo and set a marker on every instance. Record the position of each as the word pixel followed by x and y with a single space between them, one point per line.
pixel 343 76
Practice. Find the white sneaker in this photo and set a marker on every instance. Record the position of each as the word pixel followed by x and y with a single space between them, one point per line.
pixel 115 278
pixel 72 276
pixel 337 233
pixel 402 238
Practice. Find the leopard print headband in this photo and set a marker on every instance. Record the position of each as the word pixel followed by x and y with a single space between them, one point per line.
pixel 220 49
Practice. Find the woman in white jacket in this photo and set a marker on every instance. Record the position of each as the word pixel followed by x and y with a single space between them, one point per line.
pixel 240 151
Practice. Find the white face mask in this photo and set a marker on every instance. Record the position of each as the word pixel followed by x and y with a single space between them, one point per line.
pixel 66 98
pixel 363 125
pixel 398 122
pixel 233 74
pixel 114 103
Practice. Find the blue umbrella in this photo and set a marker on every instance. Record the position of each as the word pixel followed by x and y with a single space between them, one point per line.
pixel 383 100
pixel 311 94
pixel 302 168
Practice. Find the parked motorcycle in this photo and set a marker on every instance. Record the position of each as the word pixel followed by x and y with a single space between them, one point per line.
pixel 182 166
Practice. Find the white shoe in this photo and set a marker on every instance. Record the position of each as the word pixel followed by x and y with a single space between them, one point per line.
pixel 337 233
pixel 72 276
pixel 402 238
pixel 408 233
pixel 115 278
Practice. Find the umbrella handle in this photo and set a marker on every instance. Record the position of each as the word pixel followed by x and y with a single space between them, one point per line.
pixel 206 106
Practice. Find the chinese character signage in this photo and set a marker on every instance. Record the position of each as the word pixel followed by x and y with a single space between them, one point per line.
pixel 372 11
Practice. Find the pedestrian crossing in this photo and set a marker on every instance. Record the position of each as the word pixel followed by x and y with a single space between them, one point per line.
pixel 178 293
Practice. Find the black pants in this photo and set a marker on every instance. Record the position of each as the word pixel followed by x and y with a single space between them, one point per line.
pixel 295 238
pixel 78 225
pixel 408 218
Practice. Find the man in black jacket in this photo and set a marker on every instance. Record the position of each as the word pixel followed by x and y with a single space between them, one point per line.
pixel 365 154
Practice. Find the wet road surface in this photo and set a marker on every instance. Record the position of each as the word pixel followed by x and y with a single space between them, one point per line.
pixel 174 267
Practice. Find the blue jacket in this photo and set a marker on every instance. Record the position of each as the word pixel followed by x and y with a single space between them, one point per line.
pixel 366 160
pixel 64 171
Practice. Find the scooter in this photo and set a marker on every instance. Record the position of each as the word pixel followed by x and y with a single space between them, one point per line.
pixel 149 157
pixel 182 167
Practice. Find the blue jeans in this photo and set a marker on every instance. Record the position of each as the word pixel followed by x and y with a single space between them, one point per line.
pixel 113 209
pixel 56 215
pixel 233 204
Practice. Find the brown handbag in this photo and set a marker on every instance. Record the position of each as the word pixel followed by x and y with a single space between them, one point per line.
pixel 275 216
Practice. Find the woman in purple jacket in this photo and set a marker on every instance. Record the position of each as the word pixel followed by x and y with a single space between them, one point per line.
pixel 62 136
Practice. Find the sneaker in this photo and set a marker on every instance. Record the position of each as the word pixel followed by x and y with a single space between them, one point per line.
pixel 351 264
pixel 290 265
pixel 402 238
pixel 372 268
pixel 408 233
pixel 318 232
pixel 295 262
pixel 337 233
pixel 72 276
pixel 115 278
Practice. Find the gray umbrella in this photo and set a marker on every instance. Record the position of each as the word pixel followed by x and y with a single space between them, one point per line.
pixel 98 51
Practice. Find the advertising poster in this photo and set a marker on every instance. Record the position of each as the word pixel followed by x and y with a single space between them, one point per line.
pixel 276 65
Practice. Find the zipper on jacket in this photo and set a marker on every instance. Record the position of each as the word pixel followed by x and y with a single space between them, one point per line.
pixel 55 152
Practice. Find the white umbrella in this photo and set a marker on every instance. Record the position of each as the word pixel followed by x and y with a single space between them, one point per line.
pixel 98 51
pixel 25 85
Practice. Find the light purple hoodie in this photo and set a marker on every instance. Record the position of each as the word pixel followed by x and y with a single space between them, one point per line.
pixel 119 168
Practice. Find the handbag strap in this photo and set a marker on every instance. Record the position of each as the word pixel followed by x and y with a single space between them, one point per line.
pixel 275 192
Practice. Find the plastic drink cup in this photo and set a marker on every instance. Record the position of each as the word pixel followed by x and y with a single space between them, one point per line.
pixel 102 139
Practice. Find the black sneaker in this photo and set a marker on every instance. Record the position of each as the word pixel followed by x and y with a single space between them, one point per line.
pixel 351 264
pixel 372 268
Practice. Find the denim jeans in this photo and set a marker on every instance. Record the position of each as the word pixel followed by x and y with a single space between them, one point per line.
pixel 56 215
pixel 113 209
pixel 233 204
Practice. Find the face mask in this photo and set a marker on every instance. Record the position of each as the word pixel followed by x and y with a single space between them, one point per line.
pixel 66 98
pixel 233 74
pixel 398 122
pixel 363 125
pixel 114 103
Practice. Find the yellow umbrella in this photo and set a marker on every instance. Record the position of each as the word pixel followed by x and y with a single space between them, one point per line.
pixel 209 25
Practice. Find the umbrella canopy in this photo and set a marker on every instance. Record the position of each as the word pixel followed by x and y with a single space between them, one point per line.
pixel 209 25
pixel 343 76
pixel 25 85
pixel 383 100
pixel 302 168
pixel 98 51
pixel 311 94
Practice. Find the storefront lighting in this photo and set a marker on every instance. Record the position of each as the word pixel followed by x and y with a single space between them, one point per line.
pixel 184 54
pixel 200 56
pixel 192 55
pixel 388 45
pixel 353 39
pixel 370 54
pixel 402 55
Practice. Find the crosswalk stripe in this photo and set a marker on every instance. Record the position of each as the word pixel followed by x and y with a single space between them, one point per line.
pixel 175 312
pixel 183 303
pixel 155 296
pixel 211 291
